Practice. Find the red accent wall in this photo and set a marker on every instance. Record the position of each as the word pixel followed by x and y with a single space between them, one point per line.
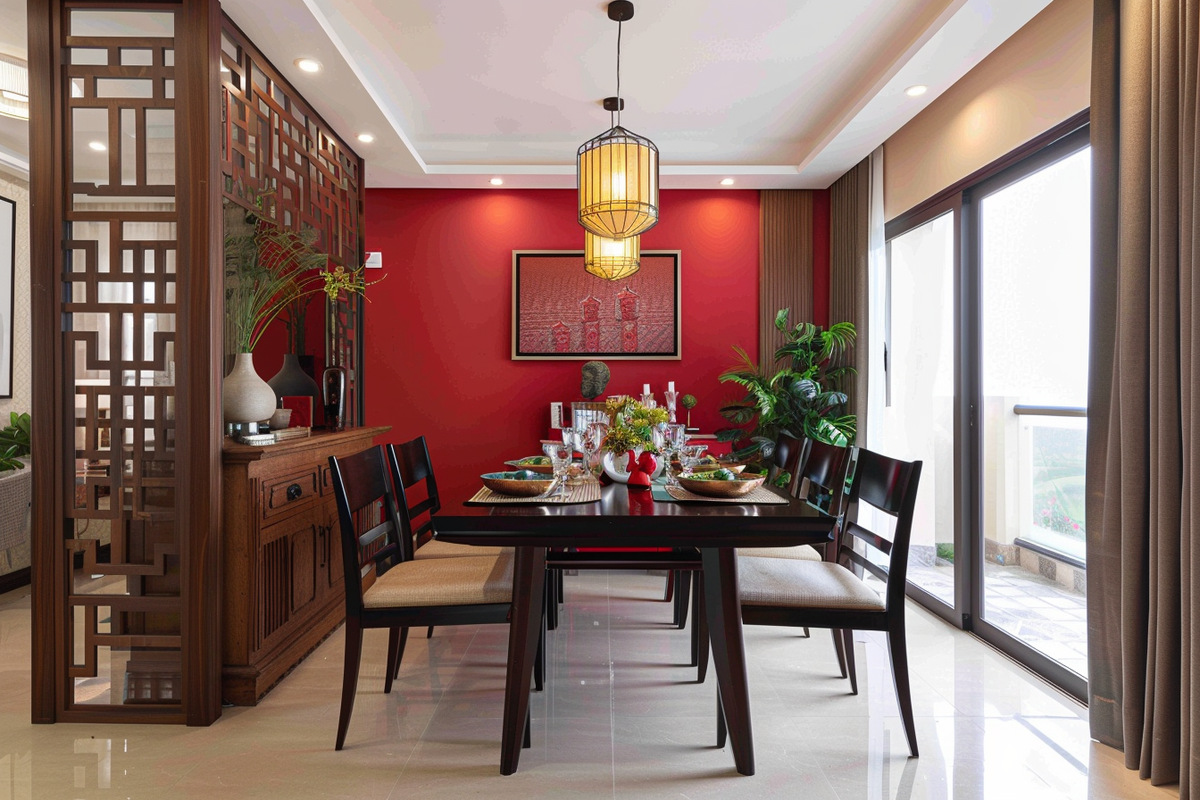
pixel 821 258
pixel 438 329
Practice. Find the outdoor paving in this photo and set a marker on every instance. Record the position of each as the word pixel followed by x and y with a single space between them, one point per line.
pixel 1045 615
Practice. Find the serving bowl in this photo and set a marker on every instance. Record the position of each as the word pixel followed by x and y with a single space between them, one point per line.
pixel 515 484
pixel 740 486
pixel 544 469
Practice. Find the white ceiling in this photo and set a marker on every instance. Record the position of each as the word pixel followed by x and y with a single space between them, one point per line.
pixel 773 93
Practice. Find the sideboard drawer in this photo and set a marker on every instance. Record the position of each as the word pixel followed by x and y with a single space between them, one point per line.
pixel 283 495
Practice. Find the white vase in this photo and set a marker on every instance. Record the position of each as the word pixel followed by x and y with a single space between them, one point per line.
pixel 245 396
pixel 614 467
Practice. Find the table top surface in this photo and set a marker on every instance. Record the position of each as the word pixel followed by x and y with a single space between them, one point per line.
pixel 632 518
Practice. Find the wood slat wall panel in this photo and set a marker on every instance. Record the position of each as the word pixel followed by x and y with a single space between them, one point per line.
pixel 785 264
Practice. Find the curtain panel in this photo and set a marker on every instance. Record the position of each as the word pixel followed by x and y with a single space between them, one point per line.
pixel 1143 504
pixel 849 249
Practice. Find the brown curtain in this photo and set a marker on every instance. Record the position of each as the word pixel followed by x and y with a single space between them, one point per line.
pixel 849 246
pixel 785 265
pixel 1143 503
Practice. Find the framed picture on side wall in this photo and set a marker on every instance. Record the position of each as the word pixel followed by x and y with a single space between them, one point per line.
pixel 8 266
pixel 562 312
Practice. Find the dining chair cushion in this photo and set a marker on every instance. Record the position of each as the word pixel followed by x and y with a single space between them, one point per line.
pixel 436 549
pixel 471 580
pixel 801 552
pixel 803 584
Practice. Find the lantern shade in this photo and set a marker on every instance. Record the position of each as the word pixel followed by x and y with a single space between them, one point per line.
pixel 611 259
pixel 618 184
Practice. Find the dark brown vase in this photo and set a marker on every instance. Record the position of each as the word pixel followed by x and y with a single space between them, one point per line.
pixel 334 383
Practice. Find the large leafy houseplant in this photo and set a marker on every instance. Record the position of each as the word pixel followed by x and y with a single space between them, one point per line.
pixel 801 397
pixel 15 442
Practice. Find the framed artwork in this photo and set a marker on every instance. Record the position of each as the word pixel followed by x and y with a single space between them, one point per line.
pixel 561 312
pixel 8 266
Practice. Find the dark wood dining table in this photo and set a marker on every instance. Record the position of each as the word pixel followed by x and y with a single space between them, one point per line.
pixel 632 518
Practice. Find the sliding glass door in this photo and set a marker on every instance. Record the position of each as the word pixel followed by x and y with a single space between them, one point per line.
pixel 982 375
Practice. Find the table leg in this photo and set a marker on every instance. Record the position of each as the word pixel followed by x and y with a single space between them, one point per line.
pixel 529 576
pixel 723 608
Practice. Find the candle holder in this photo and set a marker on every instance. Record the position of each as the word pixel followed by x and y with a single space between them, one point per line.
pixel 671 398
pixel 648 401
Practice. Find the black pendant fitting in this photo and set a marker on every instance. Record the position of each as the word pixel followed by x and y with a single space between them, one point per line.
pixel 614 104
pixel 620 10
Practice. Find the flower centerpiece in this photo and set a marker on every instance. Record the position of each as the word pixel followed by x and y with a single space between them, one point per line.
pixel 631 433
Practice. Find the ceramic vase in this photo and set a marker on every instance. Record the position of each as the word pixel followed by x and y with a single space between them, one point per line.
pixel 292 381
pixel 334 383
pixel 617 468
pixel 246 397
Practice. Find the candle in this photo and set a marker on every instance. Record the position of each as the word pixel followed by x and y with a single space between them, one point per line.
pixel 670 386
pixel 645 388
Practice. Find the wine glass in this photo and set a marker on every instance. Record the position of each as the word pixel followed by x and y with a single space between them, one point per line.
pixel 676 438
pixel 589 444
pixel 560 460
pixel 692 454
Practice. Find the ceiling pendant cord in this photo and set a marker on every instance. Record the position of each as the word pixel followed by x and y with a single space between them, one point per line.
pixel 619 103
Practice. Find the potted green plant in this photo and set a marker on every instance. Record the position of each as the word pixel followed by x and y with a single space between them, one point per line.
pixel 631 433
pixel 15 481
pixel 267 270
pixel 801 395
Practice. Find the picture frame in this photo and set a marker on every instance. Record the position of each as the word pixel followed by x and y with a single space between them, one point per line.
pixel 560 312
pixel 8 266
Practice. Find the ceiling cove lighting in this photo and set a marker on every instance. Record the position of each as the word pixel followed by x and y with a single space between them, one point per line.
pixel 14 88
pixel 727 181
pixel 916 91
pixel 496 181
pixel 611 259
pixel 366 138
pixel 617 171
pixel 308 64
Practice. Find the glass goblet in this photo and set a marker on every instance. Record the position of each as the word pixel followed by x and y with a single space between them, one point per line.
pixel 676 438
pixel 589 444
pixel 692 454
pixel 560 460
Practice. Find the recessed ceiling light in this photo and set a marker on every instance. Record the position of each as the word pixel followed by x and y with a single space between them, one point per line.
pixel 497 181
pixel 366 138
pixel 308 64
pixel 727 182
pixel 916 91
pixel 99 147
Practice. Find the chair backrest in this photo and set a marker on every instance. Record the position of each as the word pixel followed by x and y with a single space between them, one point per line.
pixel 789 455
pixel 825 470
pixel 890 486
pixel 359 483
pixel 410 465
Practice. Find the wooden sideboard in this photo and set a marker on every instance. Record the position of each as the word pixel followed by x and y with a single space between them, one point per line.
pixel 282 590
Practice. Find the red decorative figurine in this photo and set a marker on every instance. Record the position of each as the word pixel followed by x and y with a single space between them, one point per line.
pixel 640 468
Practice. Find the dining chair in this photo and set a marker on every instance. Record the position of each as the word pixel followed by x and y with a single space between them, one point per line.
pixel 387 588
pixel 829 594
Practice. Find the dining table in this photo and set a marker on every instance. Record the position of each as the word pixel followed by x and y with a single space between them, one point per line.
pixel 626 517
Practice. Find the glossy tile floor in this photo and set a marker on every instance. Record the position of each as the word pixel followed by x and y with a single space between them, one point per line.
pixel 621 717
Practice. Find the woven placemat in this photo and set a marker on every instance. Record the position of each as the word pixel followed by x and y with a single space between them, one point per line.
pixel 588 492
pixel 760 496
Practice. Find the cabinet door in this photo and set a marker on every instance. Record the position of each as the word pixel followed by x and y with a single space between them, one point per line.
pixel 286 579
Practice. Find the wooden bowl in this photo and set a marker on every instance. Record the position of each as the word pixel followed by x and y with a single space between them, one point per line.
pixel 542 469
pixel 710 467
pixel 508 483
pixel 741 486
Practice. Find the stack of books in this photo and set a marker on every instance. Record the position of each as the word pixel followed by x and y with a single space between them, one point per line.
pixel 284 434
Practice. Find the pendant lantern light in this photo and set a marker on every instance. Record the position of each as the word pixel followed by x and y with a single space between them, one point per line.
pixel 611 259
pixel 617 171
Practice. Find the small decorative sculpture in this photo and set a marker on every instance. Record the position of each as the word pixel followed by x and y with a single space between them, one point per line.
pixel 595 379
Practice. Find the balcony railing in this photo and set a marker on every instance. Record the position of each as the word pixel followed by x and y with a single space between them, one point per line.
pixel 1051 447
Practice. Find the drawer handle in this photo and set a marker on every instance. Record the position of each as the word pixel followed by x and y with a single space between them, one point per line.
pixel 294 491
